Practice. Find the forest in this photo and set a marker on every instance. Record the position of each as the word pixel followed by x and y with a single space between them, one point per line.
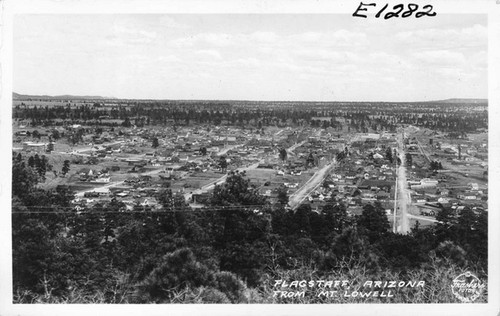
pixel 360 117
pixel 231 251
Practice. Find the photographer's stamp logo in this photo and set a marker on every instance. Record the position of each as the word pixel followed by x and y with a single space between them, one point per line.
pixel 467 287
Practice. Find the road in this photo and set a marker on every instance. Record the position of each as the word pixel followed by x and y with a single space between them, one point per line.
pixel 209 186
pixel 292 148
pixel 422 218
pixel 225 150
pixel 403 193
pixel 296 199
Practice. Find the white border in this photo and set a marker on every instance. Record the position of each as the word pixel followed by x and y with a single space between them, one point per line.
pixel 11 7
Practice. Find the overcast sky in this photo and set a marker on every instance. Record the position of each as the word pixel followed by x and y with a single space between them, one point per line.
pixel 252 57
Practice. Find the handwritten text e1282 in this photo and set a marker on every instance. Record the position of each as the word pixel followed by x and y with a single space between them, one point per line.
pixel 397 11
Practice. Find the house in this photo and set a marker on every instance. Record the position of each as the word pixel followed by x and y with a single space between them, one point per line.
pixel 425 183
pixel 444 192
pixel 428 181
pixel 473 186
pixel 149 201
pixel 102 179
pixel 101 191
pixel 36 147
pixel 467 196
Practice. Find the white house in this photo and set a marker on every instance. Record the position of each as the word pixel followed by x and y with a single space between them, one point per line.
pixel 103 179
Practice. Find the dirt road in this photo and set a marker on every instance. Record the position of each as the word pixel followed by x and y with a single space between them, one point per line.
pixel 292 148
pixel 225 150
pixel 211 185
pixel 403 193
pixel 311 185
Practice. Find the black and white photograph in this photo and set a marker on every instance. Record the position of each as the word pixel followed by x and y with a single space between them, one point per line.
pixel 250 157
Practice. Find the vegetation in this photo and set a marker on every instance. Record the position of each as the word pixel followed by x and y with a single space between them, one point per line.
pixel 155 142
pixel 283 154
pixel 229 252
pixel 455 118
pixel 65 168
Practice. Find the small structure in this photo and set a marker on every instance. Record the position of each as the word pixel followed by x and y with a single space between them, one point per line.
pixel 36 147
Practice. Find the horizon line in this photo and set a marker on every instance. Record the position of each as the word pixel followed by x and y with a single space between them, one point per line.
pixel 95 97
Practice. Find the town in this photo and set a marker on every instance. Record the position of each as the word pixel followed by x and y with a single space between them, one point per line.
pixel 293 154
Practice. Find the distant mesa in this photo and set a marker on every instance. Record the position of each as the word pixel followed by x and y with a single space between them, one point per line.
pixel 468 101
pixel 17 96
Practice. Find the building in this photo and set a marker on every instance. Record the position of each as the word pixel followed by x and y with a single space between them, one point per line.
pixel 36 147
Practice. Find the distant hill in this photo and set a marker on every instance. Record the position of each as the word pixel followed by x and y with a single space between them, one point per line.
pixel 469 101
pixel 17 96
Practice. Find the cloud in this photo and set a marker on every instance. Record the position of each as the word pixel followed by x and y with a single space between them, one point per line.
pixel 320 54
pixel 169 23
pixel 263 37
pixel 168 59
pixel 249 62
pixel 339 38
pixel 121 30
pixel 450 72
pixel 479 59
pixel 204 40
pixel 440 57
pixel 314 53
pixel 472 36
pixel 123 35
pixel 477 31
pixel 208 53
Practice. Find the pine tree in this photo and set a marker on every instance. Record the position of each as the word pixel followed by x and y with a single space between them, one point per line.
pixel 31 162
pixel 65 168
pixel 374 221
pixel 282 195
pixel 283 154
pixel 155 142
pixel 223 163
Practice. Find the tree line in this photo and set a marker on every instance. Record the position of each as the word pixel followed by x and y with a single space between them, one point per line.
pixel 360 117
